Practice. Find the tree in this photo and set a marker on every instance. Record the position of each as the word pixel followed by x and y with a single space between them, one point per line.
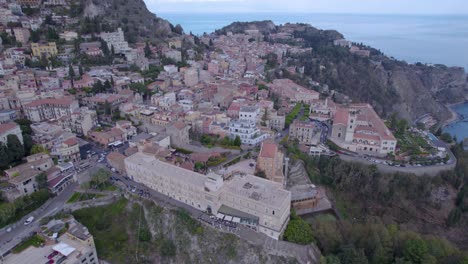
pixel 148 52
pixel 15 148
pixel 71 72
pixel 178 29
pixel 107 108
pixel 237 141
pixel 168 248
pixel 25 125
pixel 107 85
pixel 298 231
pixel 28 143
pixel 38 149
pixel 4 157
pixel 80 70
pixel 35 36
pixel 112 50
pixel 260 173
pixel 100 177
pixel 41 180
pixel 415 250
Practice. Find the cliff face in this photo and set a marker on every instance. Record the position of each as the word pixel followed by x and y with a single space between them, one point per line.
pixel 266 26
pixel 132 16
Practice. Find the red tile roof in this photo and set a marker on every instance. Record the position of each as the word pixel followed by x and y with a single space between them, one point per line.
pixel 7 127
pixel 61 101
pixel 71 141
pixel 268 150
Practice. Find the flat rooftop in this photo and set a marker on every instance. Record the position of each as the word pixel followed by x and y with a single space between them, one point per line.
pixel 258 189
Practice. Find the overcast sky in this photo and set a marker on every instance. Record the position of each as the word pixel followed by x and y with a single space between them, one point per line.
pixel 311 6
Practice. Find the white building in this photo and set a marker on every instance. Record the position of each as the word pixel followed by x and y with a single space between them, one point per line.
pixel 259 203
pixel 247 132
pixel 249 113
pixel 116 40
pixel 10 129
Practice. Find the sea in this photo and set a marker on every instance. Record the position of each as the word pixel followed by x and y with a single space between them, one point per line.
pixel 459 128
pixel 432 39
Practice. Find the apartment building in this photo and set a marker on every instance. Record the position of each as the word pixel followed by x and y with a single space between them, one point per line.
pixel 303 131
pixel 259 203
pixel 358 128
pixel 46 109
pixel 247 131
pixel 116 40
pixel 23 176
pixel 80 122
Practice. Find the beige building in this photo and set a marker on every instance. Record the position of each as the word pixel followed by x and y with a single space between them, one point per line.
pixel 10 129
pixel 48 50
pixel 68 150
pixel 179 133
pixel 23 177
pixel 359 129
pixel 46 109
pixel 303 131
pixel 80 122
pixel 270 160
pixel 22 35
pixel 259 203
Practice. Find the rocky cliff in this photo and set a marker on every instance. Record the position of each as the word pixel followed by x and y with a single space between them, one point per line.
pixel 132 16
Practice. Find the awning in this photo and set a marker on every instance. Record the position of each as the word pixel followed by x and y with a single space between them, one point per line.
pixel 226 210
pixel 228 218
pixel 64 249
pixel 220 216
pixel 236 220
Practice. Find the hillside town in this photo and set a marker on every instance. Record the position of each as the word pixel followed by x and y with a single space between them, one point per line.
pixel 197 119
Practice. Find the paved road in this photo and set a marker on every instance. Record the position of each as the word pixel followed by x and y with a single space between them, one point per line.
pixel 20 231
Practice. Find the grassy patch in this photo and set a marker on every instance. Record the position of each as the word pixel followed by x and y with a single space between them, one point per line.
pixel 34 241
pixel 79 197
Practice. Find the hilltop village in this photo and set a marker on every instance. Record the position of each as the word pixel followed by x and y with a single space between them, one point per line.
pixel 198 119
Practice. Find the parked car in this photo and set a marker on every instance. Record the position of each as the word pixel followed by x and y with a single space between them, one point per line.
pixel 29 220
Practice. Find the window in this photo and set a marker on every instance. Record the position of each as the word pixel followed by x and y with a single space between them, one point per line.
pixel 273 212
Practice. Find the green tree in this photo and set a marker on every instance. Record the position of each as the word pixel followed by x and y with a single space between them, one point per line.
pixel 15 148
pixel 415 250
pixel 38 149
pixel 25 126
pixel 144 235
pixel 167 248
pixel 107 85
pixel 41 180
pixel 71 72
pixel 237 141
pixel 28 143
pixel 148 52
pixel 5 159
pixel 298 231
pixel 350 255
pixel 100 177
pixel 80 70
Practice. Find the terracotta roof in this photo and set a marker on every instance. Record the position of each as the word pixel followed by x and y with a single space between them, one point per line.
pixel 268 150
pixel 61 101
pixel 7 127
pixel 71 141
pixel 116 157
pixel 341 116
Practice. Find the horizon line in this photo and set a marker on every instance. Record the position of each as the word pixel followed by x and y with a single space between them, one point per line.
pixel 304 13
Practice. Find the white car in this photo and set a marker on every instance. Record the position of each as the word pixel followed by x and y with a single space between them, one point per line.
pixel 29 220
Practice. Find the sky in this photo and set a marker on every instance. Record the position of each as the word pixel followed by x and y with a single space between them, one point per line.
pixel 420 7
